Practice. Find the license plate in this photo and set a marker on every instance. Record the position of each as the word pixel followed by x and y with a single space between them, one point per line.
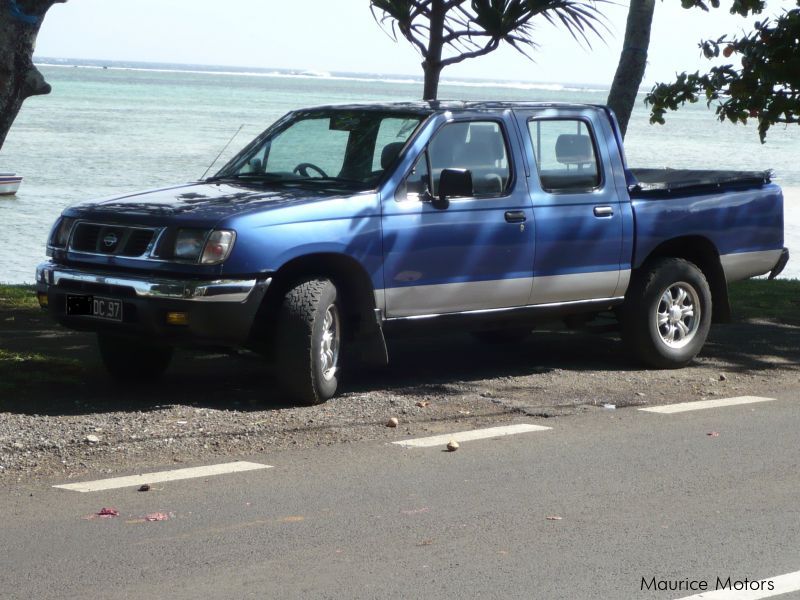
pixel 94 306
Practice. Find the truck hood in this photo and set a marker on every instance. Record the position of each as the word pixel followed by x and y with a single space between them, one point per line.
pixel 199 202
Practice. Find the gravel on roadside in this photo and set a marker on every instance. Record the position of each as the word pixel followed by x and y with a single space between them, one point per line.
pixel 212 407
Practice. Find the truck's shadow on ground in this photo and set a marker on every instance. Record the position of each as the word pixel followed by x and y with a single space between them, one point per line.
pixel 68 379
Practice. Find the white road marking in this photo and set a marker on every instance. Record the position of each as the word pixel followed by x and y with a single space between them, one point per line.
pixel 703 404
pixel 467 436
pixel 174 475
pixel 782 584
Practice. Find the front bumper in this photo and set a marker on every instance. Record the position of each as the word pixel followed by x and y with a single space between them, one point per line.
pixel 217 312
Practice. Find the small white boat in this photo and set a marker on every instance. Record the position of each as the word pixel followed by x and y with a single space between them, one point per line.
pixel 9 183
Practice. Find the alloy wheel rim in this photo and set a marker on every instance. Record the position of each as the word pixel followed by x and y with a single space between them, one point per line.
pixel 678 315
pixel 329 346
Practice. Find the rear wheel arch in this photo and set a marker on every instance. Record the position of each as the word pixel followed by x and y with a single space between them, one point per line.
pixel 701 252
pixel 667 313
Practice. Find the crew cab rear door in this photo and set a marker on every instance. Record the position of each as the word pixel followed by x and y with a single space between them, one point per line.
pixel 579 217
pixel 477 253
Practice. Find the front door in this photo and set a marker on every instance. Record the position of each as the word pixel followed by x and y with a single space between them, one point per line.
pixel 477 254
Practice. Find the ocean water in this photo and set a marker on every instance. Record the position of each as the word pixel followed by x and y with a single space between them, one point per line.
pixel 106 131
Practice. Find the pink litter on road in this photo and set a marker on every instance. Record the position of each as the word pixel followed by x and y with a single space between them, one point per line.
pixel 159 516
pixel 713 434
pixel 104 513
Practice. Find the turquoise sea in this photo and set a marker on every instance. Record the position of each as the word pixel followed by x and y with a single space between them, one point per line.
pixel 113 128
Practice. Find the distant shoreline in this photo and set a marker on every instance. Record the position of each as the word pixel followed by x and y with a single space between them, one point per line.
pixel 42 61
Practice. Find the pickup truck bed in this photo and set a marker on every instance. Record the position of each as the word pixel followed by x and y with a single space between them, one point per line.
pixel 695 180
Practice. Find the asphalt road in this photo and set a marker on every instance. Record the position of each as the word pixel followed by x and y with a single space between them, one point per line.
pixel 640 495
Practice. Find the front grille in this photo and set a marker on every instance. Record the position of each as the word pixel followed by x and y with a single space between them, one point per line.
pixel 85 237
pixel 113 240
pixel 138 241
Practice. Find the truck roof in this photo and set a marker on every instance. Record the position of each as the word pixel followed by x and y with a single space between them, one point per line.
pixel 429 107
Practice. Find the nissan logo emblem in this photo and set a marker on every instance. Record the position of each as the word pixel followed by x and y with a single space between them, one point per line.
pixel 110 240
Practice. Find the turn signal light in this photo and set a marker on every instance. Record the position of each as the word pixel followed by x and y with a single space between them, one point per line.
pixel 42 298
pixel 177 318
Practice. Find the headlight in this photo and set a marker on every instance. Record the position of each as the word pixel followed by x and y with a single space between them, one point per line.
pixel 198 245
pixel 218 247
pixel 60 233
pixel 189 243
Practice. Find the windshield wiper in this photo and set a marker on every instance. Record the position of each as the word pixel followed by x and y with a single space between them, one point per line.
pixel 282 179
pixel 247 177
pixel 328 180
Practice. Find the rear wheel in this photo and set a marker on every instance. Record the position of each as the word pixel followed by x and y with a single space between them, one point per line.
pixel 667 313
pixel 133 360
pixel 309 340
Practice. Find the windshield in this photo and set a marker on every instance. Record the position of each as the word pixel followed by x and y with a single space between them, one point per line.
pixel 340 148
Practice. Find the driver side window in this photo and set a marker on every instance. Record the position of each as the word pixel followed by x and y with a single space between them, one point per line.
pixel 479 146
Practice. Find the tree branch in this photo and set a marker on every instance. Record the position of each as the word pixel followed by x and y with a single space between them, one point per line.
pixel 409 35
pixel 490 47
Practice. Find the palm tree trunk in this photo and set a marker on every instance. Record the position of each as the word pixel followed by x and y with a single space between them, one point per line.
pixel 432 65
pixel 632 61
pixel 19 79
pixel 431 87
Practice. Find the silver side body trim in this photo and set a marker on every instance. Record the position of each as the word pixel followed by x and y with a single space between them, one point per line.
pixel 221 290
pixel 599 304
pixel 623 283
pixel 470 296
pixel 742 265
pixel 380 299
pixel 576 286
pixel 442 298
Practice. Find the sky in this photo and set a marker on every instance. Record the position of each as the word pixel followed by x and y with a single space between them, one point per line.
pixel 341 35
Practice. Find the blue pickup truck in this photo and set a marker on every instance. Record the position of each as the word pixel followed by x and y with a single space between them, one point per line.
pixel 341 224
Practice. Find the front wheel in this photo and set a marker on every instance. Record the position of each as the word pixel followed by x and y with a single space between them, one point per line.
pixel 308 341
pixel 667 313
pixel 133 360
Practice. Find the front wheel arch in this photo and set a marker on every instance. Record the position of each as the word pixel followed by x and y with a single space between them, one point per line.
pixel 357 300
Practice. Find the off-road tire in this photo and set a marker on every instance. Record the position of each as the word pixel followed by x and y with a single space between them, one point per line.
pixel 646 334
pixel 299 341
pixel 133 360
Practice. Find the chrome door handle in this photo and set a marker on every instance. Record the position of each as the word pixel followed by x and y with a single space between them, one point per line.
pixel 515 216
pixel 603 211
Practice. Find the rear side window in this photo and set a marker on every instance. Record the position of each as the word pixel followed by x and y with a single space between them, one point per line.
pixel 479 146
pixel 565 155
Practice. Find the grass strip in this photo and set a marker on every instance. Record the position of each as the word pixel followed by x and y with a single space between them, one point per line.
pixel 18 297
pixel 777 300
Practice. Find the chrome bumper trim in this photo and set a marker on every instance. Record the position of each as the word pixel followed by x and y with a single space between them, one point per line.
pixel 221 290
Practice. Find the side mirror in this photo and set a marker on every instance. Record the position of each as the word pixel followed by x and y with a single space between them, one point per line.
pixel 453 182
